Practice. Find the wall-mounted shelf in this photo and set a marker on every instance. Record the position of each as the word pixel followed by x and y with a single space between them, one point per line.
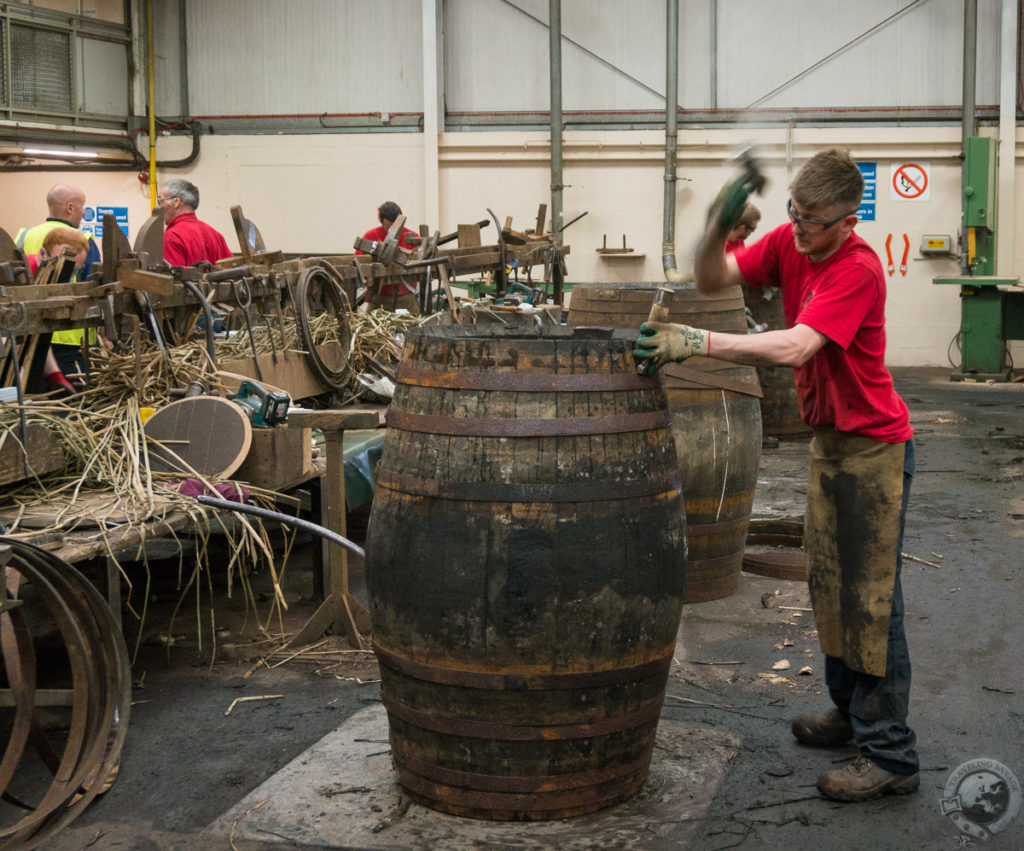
pixel 624 252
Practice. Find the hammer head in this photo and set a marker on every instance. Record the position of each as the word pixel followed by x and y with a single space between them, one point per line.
pixel 752 174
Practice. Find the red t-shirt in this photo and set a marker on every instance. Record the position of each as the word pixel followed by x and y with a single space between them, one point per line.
pixel 188 240
pixel 378 234
pixel 846 385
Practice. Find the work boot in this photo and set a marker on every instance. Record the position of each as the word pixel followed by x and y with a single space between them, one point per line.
pixel 831 729
pixel 862 780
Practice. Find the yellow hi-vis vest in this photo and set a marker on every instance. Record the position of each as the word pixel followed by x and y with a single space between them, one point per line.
pixel 30 240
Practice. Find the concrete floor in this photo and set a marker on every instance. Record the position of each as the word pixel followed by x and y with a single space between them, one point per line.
pixel 726 771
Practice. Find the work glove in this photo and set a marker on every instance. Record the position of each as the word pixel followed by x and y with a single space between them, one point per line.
pixel 725 211
pixel 58 381
pixel 661 342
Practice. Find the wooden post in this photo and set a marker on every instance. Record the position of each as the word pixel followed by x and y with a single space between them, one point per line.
pixel 340 611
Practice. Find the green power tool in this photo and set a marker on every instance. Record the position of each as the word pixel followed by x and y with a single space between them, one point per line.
pixel 264 408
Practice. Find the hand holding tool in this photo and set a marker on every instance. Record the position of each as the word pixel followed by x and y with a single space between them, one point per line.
pixel 659 312
pixel 725 211
pixel 661 342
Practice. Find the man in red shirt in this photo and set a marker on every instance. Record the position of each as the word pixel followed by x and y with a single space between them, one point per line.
pixel 862 454
pixel 404 294
pixel 187 240
pixel 744 228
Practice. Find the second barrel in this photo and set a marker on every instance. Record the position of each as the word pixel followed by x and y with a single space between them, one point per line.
pixel 716 422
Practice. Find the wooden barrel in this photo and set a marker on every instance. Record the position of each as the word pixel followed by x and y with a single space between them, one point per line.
pixel 717 430
pixel 525 563
pixel 780 407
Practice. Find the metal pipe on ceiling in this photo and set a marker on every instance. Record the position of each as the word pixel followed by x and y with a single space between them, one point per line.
pixel 555 41
pixel 668 246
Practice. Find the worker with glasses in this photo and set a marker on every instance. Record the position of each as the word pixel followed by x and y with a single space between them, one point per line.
pixel 862 453
pixel 187 239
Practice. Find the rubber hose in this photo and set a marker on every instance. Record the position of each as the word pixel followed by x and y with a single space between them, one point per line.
pixel 287 519
pixel 198 293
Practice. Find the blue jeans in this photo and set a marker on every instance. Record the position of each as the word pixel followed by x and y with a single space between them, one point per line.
pixel 877 706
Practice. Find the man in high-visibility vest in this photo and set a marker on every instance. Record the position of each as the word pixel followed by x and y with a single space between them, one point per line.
pixel 66 205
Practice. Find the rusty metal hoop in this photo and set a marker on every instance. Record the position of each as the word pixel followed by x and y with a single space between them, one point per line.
pixel 99 698
pixel 334 293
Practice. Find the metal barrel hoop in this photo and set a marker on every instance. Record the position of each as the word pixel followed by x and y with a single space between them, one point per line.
pixel 99 699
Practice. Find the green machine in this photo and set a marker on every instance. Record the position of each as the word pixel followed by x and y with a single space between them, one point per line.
pixel 991 307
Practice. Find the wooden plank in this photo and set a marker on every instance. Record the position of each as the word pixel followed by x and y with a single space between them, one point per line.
pixel 481 262
pixel 233 380
pixel 39 292
pixel 514 237
pixel 452 303
pixel 279 458
pixel 42 450
pixel 151 282
pixel 87 511
pixel 340 418
pixel 9 251
pixel 469 235
pixel 149 241
pixel 291 372
pixel 121 537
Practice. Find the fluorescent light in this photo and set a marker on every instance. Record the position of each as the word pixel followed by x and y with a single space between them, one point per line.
pixel 55 153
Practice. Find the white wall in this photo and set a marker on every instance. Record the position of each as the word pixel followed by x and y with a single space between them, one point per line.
pixel 317 193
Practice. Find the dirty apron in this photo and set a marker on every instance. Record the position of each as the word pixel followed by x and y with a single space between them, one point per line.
pixel 851 537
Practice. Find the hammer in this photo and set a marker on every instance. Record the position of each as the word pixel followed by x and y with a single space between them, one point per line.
pixel 728 206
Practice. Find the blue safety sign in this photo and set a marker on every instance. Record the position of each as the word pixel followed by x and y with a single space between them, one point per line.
pixel 92 219
pixel 868 171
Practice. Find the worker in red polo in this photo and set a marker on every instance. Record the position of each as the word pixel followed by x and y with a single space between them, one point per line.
pixel 404 294
pixel 187 240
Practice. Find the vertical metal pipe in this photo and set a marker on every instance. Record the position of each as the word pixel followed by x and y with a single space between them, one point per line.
pixel 668 247
pixel 1007 184
pixel 967 120
pixel 555 32
pixel 713 52
pixel 432 82
pixel 152 103
pixel 183 55
pixel 970 72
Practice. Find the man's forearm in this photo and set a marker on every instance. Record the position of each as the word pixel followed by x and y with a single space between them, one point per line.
pixel 792 347
pixel 713 269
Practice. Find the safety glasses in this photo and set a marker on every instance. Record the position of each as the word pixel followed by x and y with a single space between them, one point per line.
pixel 823 225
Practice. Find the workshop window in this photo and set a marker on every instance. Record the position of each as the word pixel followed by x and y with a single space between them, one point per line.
pixel 40 69
pixel 60 66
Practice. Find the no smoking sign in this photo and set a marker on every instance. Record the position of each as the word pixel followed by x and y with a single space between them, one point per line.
pixel 910 181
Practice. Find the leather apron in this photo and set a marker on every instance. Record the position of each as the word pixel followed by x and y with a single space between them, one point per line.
pixel 851 535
